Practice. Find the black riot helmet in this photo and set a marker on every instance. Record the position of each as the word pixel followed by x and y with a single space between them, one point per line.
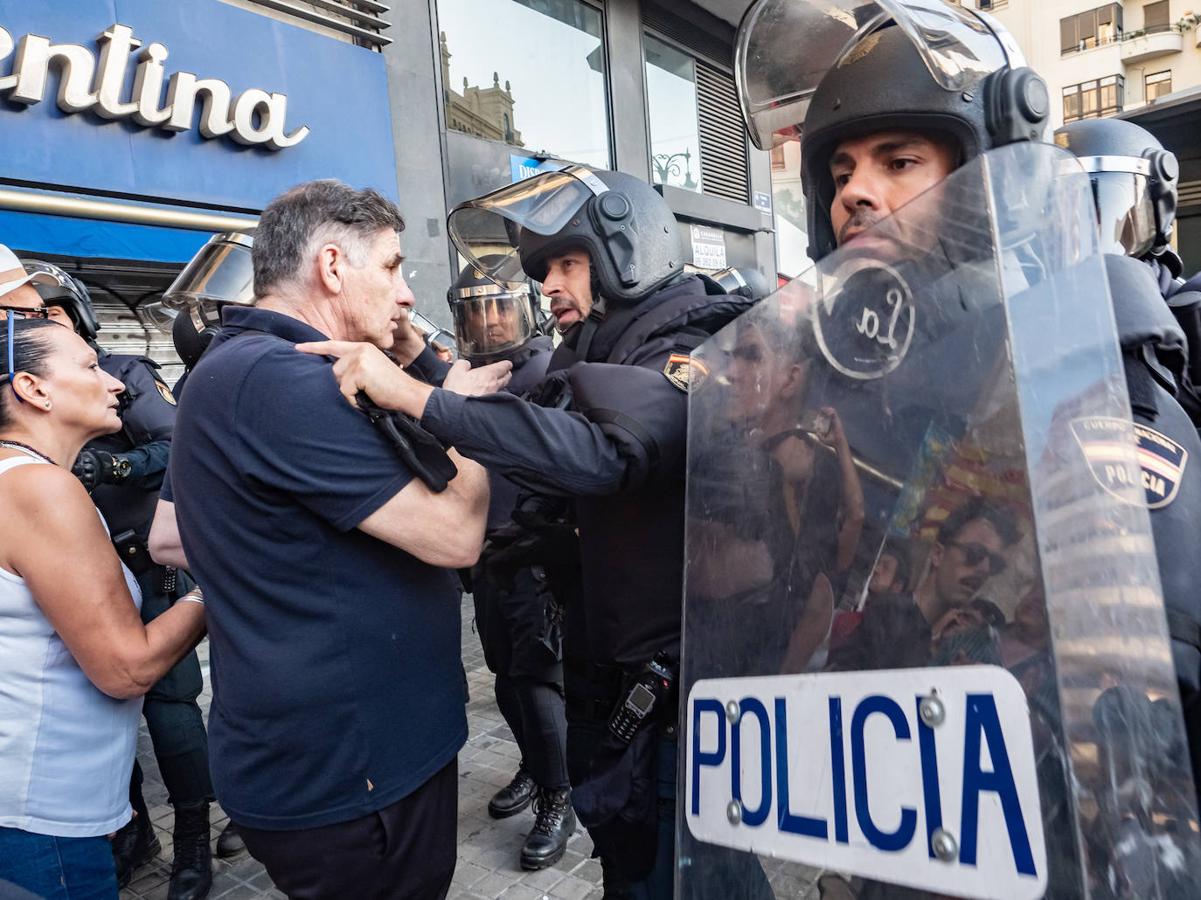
pixel 829 72
pixel 190 309
pixel 744 282
pixel 623 224
pixel 1134 183
pixel 494 320
pixel 57 288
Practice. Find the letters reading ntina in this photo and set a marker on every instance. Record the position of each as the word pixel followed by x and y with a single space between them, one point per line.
pixel 255 117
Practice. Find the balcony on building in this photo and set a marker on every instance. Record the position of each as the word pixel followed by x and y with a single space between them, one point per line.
pixel 1139 47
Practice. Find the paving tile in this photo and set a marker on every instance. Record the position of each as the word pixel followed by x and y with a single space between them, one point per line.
pixel 571 888
pixel 523 892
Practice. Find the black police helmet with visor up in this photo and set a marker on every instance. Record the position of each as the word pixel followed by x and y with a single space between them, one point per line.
pixel 219 274
pixel 624 225
pixel 57 288
pixel 493 320
pixel 1134 181
pixel 826 72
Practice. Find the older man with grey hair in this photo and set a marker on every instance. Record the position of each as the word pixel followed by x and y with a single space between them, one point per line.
pixel 333 617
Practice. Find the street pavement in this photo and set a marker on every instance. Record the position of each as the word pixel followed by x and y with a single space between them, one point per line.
pixel 488 850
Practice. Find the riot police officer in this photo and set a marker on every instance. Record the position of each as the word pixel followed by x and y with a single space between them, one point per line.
pixel 610 435
pixel 123 472
pixel 515 609
pixel 1134 184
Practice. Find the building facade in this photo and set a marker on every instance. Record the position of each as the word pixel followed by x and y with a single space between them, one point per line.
pixel 134 130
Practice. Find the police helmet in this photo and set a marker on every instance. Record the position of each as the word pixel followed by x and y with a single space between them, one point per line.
pixel 1134 183
pixel 493 320
pixel 826 73
pixel 57 288
pixel 623 224
pixel 190 309
pixel 744 282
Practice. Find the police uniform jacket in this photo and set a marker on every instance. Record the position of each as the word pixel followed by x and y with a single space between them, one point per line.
pixel 1168 450
pixel 618 449
pixel 147 420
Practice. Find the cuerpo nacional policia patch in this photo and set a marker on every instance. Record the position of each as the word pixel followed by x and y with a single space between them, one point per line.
pixel 1161 460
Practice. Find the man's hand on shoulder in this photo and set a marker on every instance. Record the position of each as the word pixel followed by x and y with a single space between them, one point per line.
pixel 474 382
pixel 364 367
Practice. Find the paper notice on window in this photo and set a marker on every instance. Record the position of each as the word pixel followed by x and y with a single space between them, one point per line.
pixel 708 247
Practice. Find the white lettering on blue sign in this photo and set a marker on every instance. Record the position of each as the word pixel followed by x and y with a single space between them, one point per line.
pixel 839 770
pixel 255 117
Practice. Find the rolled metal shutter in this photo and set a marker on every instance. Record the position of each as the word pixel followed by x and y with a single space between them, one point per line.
pixel 724 167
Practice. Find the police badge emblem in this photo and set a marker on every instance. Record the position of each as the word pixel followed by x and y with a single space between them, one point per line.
pixel 165 392
pixel 684 371
pixel 1161 460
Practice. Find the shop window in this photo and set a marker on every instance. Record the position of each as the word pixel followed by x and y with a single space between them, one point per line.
pixel 672 110
pixel 1157 85
pixel 529 73
pixel 1155 17
pixel 1092 28
pixel 1093 99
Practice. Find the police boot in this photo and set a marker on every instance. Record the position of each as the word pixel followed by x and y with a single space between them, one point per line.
pixel 513 797
pixel 229 841
pixel 134 844
pixel 192 871
pixel 553 826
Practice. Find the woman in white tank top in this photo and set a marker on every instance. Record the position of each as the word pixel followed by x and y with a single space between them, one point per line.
pixel 75 657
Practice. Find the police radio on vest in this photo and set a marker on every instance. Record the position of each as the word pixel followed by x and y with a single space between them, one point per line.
pixel 254 118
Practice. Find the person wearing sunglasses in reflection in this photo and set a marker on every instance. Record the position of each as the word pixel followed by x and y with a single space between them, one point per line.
pixel 970 549
pixel 75 659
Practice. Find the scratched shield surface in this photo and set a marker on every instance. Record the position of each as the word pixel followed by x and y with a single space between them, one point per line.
pixel 925 653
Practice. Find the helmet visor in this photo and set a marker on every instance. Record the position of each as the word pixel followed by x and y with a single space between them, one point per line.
pixel 487 231
pixel 221 272
pixel 492 319
pixel 784 48
pixel 1125 212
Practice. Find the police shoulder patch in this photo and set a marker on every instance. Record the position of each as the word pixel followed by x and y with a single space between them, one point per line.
pixel 683 371
pixel 1162 461
pixel 165 392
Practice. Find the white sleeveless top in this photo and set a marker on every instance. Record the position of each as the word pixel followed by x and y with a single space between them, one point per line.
pixel 66 748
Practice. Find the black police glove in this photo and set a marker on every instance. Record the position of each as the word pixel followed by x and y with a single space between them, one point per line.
pixel 96 467
pixel 421 451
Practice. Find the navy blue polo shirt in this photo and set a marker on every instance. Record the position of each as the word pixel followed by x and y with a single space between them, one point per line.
pixel 335 660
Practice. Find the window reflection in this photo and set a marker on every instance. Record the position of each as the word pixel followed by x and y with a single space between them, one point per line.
pixel 671 102
pixel 530 73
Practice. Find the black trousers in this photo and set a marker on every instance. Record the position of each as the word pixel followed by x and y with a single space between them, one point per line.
pixel 172 714
pixel 405 851
pixel 529 677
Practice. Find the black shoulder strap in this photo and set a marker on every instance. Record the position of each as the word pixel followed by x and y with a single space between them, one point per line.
pixel 1183 628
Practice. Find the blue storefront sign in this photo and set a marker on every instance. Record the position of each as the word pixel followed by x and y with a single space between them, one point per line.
pixel 189 103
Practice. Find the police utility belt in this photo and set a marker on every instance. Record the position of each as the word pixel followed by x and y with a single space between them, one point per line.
pixel 628 699
pixel 133 551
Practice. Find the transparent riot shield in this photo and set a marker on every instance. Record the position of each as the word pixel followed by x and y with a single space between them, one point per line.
pixel 925 652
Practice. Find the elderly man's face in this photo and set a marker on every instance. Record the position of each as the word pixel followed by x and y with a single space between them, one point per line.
pixel 874 176
pixel 375 293
pixel 967 561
